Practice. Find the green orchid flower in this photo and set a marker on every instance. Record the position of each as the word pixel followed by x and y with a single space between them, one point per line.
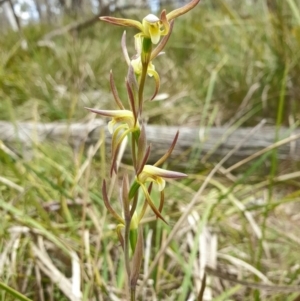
pixel 136 61
pixel 156 176
pixel 151 26
pixel 152 174
pixel 123 122
pixel 124 117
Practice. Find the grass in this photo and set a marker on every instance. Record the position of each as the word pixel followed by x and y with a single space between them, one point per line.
pixel 232 65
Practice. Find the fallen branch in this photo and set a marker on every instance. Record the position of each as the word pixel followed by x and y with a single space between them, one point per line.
pixel 189 150
pixel 75 26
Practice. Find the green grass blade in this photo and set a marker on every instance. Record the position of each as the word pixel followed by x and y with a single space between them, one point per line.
pixel 31 223
pixel 295 10
pixel 224 296
pixel 13 292
pixel 187 281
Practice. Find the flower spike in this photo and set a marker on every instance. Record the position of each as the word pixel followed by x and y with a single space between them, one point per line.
pixel 124 125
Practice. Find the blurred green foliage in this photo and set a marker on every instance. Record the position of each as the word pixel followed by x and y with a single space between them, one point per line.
pixel 256 43
pixel 223 63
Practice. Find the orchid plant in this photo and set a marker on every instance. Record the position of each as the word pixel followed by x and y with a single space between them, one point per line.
pixel 135 192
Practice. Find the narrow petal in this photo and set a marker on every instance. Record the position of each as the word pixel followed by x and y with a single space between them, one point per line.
pixel 157 50
pixel 162 201
pixel 137 65
pixel 110 126
pixel 143 161
pixel 133 91
pixel 157 82
pixel 115 92
pixel 123 22
pixel 117 137
pixel 138 43
pixel 182 10
pixel 115 148
pixel 150 203
pixel 143 211
pixel 131 97
pixel 112 113
pixel 137 259
pixel 108 206
pixel 168 153
pixel 159 172
pixel 124 48
pixel 165 22
pixel 155 34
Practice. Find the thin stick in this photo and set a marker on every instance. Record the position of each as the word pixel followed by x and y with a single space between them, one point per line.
pixel 261 152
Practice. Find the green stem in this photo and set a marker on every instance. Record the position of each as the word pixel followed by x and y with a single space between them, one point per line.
pixel 126 250
pixel 15 293
pixel 133 193
pixel 132 294
pixel 133 151
pixel 141 87
pixel 134 204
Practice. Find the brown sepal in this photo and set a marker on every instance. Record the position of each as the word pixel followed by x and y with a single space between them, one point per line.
pixel 137 259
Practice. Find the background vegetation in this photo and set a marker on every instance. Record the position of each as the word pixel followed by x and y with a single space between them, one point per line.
pixel 228 63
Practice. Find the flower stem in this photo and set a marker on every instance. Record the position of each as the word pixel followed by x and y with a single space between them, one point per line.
pixel 126 247
pixel 133 151
pixel 141 87
pixel 145 59
pixel 132 294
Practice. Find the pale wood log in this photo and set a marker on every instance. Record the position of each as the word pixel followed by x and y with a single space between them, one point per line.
pixel 189 150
